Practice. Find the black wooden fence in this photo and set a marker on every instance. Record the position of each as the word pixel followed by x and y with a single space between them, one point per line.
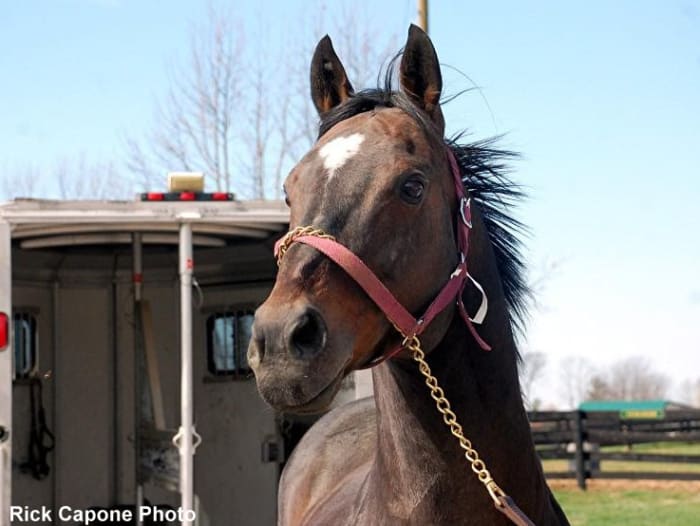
pixel 578 436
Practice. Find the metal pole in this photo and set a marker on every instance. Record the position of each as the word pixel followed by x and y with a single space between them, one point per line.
pixel 423 14
pixel 579 458
pixel 139 503
pixel 56 340
pixel 116 427
pixel 4 488
pixel 137 278
pixel 186 430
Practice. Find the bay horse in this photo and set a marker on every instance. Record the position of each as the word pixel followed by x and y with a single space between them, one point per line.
pixel 388 221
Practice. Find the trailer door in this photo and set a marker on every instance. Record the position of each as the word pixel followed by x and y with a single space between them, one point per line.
pixel 5 372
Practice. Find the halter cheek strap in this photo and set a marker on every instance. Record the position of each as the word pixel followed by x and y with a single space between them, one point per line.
pixel 398 315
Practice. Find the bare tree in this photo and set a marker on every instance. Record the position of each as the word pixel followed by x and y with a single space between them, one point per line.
pixel 67 178
pixel 22 181
pixel 599 389
pixel 234 110
pixel 689 392
pixel 634 378
pixel 538 282
pixel 270 134
pixel 80 178
pixel 575 379
pixel 360 46
pixel 240 113
pixel 531 370
pixel 194 126
pixel 630 379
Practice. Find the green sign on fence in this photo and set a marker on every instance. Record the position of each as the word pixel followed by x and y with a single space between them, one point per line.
pixel 642 414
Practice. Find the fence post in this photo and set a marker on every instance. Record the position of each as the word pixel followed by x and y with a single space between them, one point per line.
pixel 580 458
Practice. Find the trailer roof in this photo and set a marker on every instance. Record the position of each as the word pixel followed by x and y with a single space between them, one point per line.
pixel 40 218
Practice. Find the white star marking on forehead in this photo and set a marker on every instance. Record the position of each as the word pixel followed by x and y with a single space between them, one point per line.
pixel 338 151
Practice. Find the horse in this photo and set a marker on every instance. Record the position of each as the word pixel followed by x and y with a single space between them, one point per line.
pixel 389 220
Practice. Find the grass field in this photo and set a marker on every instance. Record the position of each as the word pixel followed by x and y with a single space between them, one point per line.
pixel 632 502
pixel 627 503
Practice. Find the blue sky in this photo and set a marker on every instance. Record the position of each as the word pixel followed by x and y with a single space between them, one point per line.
pixel 601 98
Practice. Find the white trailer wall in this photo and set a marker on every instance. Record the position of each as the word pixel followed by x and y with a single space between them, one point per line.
pixel 234 484
pixel 84 395
pixel 90 395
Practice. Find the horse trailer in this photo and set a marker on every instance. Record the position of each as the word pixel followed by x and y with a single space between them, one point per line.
pixel 123 337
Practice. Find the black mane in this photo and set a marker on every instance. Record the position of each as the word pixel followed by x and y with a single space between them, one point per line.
pixel 484 171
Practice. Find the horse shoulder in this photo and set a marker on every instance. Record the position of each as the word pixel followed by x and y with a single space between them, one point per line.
pixel 330 454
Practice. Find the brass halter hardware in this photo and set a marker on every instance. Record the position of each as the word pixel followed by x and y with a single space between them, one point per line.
pixel 412 343
pixel 299 231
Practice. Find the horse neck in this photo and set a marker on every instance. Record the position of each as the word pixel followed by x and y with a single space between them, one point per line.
pixel 416 449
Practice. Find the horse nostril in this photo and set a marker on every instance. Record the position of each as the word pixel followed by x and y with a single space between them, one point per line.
pixel 308 336
pixel 256 351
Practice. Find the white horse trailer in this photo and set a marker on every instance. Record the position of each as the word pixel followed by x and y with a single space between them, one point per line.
pixel 123 324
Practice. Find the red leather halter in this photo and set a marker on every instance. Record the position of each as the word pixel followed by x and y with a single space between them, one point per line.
pixel 398 315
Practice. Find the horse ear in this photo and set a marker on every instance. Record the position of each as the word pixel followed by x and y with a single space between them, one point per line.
pixel 329 83
pixel 420 75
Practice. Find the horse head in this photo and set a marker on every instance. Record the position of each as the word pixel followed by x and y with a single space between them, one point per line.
pixel 379 181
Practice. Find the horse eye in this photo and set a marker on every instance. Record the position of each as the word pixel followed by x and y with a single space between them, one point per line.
pixel 412 190
pixel 286 197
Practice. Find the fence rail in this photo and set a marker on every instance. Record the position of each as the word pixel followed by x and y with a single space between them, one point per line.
pixel 577 436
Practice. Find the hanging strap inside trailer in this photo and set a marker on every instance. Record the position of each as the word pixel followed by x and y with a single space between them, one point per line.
pixel 41 439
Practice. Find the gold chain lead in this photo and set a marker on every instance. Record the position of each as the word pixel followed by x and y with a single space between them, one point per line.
pixel 443 406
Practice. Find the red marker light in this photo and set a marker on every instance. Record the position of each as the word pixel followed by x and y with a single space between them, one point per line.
pixel 4 330
pixel 187 196
pixel 155 196
pixel 220 196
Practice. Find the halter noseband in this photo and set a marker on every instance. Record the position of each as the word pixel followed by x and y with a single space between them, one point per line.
pixel 409 326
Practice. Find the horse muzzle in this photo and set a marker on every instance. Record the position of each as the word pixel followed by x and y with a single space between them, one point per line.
pixel 290 354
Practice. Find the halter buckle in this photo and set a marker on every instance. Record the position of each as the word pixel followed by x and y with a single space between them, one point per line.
pixel 465 211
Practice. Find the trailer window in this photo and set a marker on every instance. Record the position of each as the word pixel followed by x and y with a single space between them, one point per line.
pixel 25 344
pixel 228 335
